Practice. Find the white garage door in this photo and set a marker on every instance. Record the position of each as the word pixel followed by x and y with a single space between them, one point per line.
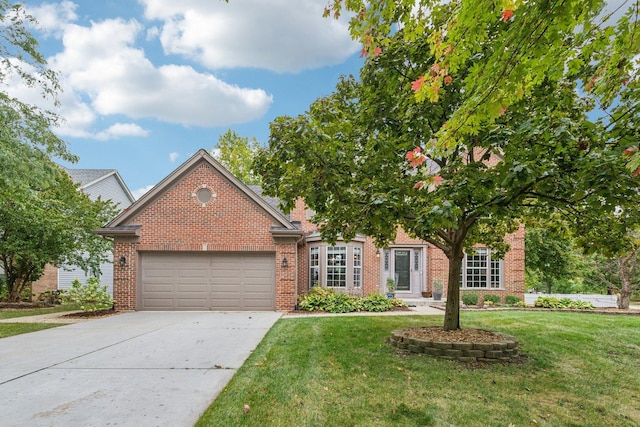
pixel 196 281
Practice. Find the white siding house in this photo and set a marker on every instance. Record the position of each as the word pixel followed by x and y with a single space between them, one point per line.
pixel 107 184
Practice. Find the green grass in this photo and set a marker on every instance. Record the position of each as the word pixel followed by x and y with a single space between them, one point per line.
pixel 13 313
pixel 10 329
pixel 583 370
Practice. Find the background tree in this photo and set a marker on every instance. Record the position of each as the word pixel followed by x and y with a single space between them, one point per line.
pixel 347 158
pixel 43 218
pixel 52 223
pixel 549 257
pixel 236 153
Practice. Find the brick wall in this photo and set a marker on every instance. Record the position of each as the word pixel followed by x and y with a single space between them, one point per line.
pixel 177 221
pixel 437 263
pixel 48 281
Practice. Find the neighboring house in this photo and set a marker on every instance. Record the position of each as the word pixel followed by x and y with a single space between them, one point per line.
pixel 202 240
pixel 108 185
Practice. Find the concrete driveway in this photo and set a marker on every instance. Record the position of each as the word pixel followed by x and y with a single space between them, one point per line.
pixel 133 369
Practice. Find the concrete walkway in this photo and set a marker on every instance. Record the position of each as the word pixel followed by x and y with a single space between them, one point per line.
pixel 133 369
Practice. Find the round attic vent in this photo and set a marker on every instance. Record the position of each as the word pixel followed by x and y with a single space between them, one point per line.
pixel 204 195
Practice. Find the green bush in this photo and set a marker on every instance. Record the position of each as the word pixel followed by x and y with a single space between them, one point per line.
pixel 51 297
pixel 495 299
pixel 325 299
pixel 520 304
pixel 470 299
pixel 511 300
pixel 553 302
pixel 89 297
pixel 377 303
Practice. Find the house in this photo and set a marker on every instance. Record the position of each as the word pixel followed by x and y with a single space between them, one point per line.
pixel 108 185
pixel 202 240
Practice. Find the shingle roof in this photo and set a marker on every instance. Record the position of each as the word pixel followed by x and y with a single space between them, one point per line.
pixel 272 201
pixel 86 176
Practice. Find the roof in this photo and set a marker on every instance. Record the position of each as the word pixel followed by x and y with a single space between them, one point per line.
pixel 272 201
pixel 202 156
pixel 87 177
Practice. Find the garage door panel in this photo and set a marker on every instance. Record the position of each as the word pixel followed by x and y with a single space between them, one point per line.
pixel 205 281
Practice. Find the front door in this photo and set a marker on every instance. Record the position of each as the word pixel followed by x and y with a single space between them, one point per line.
pixel 402 269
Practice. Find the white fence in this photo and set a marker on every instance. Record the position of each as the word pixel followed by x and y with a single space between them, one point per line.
pixel 598 301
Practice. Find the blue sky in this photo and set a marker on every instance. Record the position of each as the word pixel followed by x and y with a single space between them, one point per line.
pixel 147 83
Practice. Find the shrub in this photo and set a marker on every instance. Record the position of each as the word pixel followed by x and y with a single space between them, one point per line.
pixel 315 298
pixel 511 300
pixel 377 302
pixel 51 297
pixel 470 299
pixel 494 299
pixel 89 297
pixel 325 299
pixel 520 304
pixel 553 302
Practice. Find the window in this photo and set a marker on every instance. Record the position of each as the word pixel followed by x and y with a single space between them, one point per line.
pixel 480 271
pixel 314 266
pixel 337 266
pixel 357 267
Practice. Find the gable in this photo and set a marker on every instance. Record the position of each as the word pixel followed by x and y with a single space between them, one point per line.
pixel 172 211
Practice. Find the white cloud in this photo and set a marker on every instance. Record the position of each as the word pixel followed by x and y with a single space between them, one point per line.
pixel 104 73
pixel 119 130
pixel 173 156
pixel 141 191
pixel 278 35
pixel 53 17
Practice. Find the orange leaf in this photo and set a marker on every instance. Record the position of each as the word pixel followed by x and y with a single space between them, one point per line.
pixel 377 51
pixel 448 80
pixel 507 14
pixel 417 84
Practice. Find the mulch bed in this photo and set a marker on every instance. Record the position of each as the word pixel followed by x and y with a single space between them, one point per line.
pixel 91 314
pixel 437 333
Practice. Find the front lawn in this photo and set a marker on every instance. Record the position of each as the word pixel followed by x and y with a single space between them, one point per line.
pixel 9 329
pixel 13 313
pixel 582 370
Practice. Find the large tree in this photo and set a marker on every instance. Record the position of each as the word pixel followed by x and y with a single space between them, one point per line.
pixel 531 41
pixel 367 158
pixel 43 217
pixel 52 223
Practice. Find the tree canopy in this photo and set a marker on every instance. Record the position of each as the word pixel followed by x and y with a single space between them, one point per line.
pixel 514 45
pixel 372 157
pixel 236 153
pixel 44 219
pixel 52 223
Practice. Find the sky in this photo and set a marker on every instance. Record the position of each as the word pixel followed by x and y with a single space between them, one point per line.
pixel 148 83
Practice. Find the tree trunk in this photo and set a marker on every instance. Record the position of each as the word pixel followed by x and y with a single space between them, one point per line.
pixel 452 311
pixel 625 266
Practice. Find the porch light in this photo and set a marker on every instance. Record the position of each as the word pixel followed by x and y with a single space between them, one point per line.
pixel 377 253
pixel 123 260
pixel 285 263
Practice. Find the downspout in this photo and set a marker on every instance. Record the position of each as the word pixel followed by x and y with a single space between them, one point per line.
pixel 295 293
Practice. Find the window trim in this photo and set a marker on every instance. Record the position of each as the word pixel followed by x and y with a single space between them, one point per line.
pixel 489 272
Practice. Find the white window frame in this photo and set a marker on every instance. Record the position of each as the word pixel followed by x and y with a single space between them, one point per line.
pixel 480 271
pixel 337 267
pixel 314 266
pixel 357 268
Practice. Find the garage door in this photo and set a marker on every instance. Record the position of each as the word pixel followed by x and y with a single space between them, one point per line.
pixel 196 281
